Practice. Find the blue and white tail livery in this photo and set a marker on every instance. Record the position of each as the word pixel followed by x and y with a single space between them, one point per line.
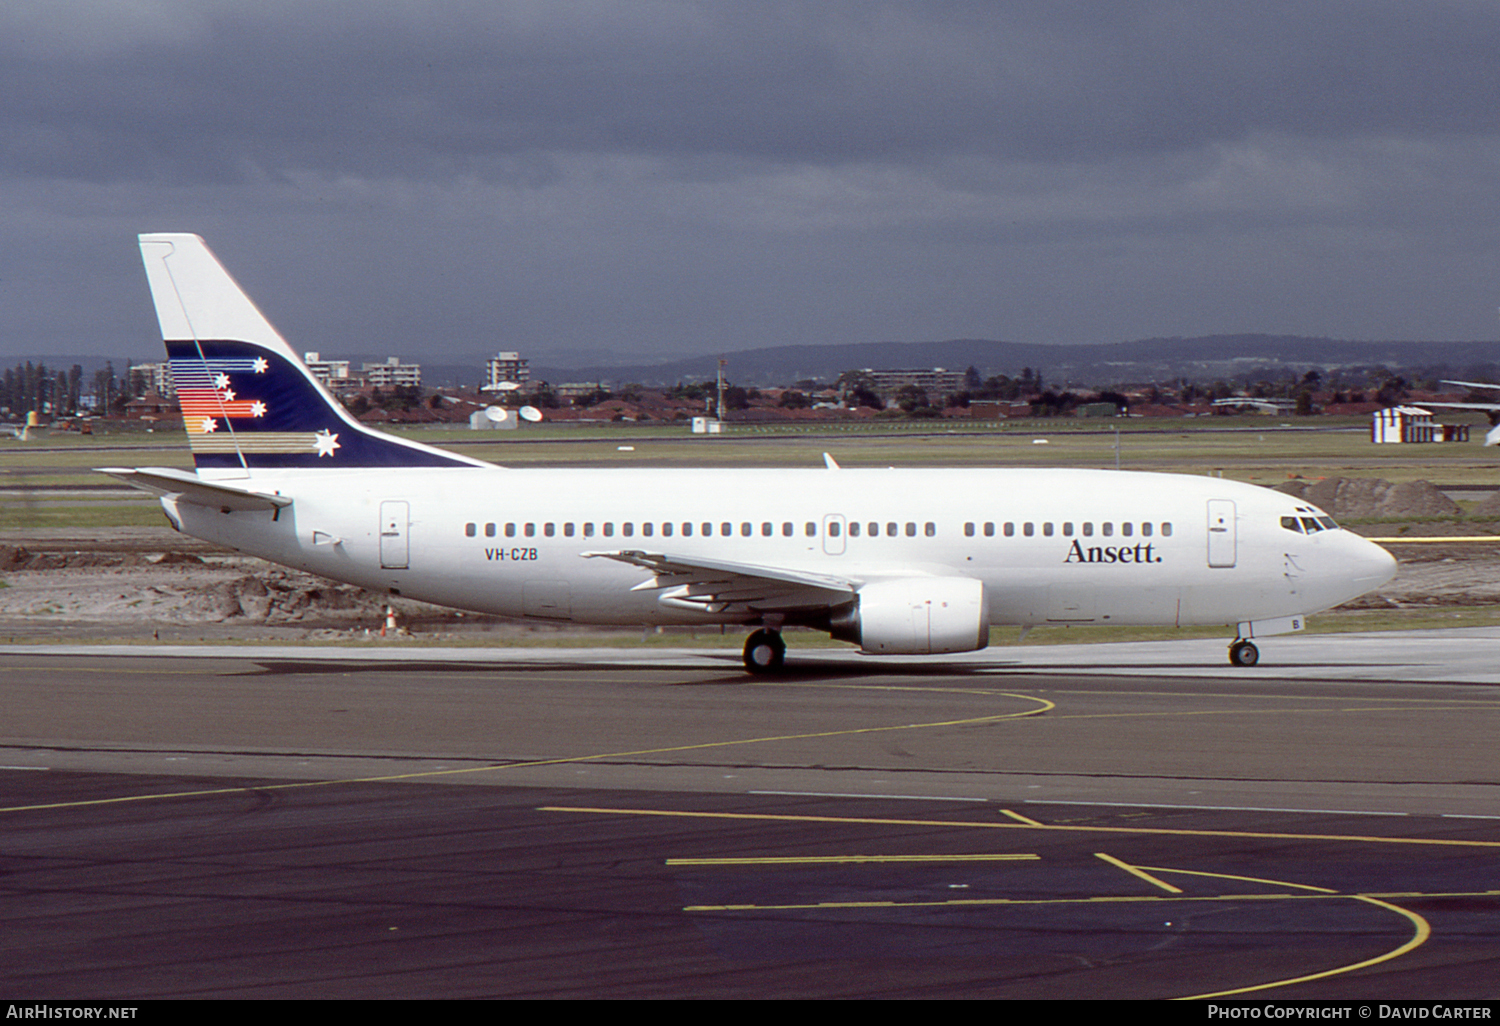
pixel 247 401
pixel 897 561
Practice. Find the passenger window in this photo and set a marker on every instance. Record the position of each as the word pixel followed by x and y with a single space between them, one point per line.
pixel 891 530
pixel 489 530
pixel 911 529
pixel 1010 529
pixel 1028 529
pixel 1127 529
pixel 1146 529
pixel 786 529
pixel 531 530
pixel 810 529
pixel 567 530
pixel 1166 530
pixel 470 530
pixel 854 528
pixel 588 530
pixel 1068 529
pixel 627 529
pixel 666 530
pixel 874 530
pixel 766 529
pixel 708 530
pixel 745 530
pixel 930 529
pixel 687 530
pixel 646 529
pixel 989 529
pixel 833 528
pixel 1088 528
pixel 969 530
pixel 726 530
pixel 1047 529
pixel 510 530
pixel 1107 529
pixel 549 529
pixel 609 530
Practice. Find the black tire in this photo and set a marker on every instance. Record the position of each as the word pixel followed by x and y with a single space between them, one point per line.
pixel 1244 653
pixel 765 652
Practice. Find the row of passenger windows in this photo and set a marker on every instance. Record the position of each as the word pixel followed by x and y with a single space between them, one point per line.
pixel 787 529
pixel 746 529
pixel 1107 529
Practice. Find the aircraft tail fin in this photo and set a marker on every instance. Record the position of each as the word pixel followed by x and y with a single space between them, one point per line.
pixel 247 400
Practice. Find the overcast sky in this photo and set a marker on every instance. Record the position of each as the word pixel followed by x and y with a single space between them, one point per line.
pixel 650 179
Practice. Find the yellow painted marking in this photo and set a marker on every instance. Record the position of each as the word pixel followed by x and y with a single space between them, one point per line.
pixel 1436 541
pixel 833 859
pixel 1242 879
pixel 1161 831
pixel 1020 818
pixel 1419 937
pixel 1138 872
pixel 1106 899
pixel 1042 706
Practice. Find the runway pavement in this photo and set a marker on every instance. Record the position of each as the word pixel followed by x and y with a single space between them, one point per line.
pixel 1077 821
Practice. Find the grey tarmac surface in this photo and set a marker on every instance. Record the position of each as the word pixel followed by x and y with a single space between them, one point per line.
pixel 1079 821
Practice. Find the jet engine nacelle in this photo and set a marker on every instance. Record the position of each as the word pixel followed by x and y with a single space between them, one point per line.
pixel 917 616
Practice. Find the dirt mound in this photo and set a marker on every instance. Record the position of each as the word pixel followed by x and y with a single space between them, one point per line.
pixel 16 557
pixel 279 596
pixel 1487 508
pixel 1372 497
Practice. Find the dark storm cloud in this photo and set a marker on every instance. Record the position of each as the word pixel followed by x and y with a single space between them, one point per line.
pixel 673 174
pixel 205 92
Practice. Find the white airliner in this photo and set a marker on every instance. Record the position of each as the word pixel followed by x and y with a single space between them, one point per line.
pixel 1492 410
pixel 895 561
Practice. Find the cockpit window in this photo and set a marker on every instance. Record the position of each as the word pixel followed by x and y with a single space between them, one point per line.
pixel 1312 523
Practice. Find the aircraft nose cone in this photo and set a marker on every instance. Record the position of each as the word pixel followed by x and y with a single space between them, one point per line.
pixel 1374 565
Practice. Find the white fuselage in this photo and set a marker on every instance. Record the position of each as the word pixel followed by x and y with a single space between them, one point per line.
pixel 1050 546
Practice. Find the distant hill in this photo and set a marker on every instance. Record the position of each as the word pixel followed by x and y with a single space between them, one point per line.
pixel 1206 358
pixel 1155 359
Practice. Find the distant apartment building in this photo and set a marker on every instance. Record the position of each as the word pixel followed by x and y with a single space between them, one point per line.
pixel 151 377
pixel 505 367
pixel 936 382
pixel 392 373
pixel 331 374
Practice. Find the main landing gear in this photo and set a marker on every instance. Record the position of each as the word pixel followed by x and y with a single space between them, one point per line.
pixel 764 652
pixel 1243 653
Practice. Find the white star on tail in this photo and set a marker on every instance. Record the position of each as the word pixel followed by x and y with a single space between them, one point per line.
pixel 326 441
pixel 260 365
pixel 210 425
pixel 222 381
pixel 257 409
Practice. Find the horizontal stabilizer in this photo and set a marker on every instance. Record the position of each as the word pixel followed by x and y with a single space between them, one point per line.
pixel 191 488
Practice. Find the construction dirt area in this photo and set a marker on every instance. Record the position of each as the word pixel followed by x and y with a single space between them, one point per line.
pixel 141 583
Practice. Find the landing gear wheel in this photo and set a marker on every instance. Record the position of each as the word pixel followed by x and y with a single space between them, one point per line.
pixel 764 652
pixel 1244 653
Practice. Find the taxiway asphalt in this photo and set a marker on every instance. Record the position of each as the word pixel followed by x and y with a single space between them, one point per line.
pixel 1089 821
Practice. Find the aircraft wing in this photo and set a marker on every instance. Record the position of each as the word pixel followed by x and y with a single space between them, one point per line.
pixel 191 488
pixel 719 586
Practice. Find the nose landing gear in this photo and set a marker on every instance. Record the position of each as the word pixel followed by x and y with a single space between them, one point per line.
pixel 764 652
